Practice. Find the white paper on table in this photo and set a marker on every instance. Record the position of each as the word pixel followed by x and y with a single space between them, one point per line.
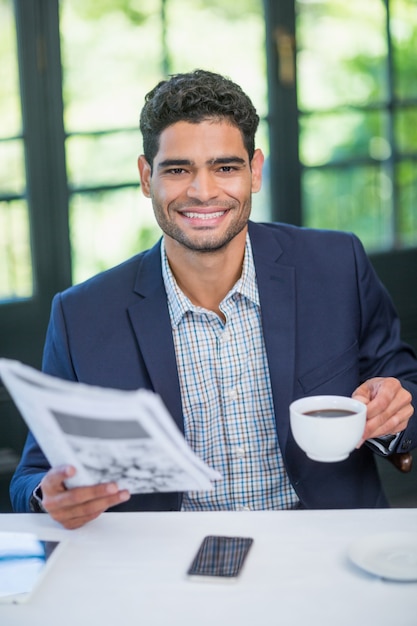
pixel 24 561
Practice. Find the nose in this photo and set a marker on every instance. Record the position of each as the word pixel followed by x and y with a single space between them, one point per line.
pixel 203 186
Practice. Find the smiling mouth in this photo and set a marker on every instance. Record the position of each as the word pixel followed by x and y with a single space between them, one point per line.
pixel 203 216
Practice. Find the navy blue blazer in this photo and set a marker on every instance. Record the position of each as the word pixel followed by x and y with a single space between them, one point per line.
pixel 328 325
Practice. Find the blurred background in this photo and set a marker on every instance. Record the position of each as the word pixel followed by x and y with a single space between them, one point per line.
pixel 335 84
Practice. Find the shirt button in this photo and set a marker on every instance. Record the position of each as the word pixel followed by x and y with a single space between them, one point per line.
pixel 242 507
pixel 232 393
pixel 226 336
pixel 240 452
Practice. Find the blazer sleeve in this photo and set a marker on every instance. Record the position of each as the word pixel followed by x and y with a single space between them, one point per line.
pixel 382 352
pixel 33 464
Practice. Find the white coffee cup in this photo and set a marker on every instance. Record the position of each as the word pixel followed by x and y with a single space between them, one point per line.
pixel 327 428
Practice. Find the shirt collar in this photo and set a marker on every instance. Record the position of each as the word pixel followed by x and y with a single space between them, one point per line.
pixel 179 304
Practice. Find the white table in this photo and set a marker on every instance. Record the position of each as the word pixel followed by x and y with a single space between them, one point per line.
pixel 128 569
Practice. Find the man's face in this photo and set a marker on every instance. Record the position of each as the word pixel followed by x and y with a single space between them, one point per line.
pixel 201 183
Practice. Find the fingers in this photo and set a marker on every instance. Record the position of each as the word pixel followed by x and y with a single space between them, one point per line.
pixel 75 507
pixel 54 481
pixel 389 406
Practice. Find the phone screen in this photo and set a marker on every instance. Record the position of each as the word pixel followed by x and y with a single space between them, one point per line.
pixel 221 557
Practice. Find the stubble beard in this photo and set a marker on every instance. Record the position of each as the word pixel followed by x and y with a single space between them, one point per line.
pixel 211 243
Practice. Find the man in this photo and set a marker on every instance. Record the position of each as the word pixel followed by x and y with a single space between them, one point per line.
pixel 229 321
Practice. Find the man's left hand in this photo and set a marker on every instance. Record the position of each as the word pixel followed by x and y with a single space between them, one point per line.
pixel 389 406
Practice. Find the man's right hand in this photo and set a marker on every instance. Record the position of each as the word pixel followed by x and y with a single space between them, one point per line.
pixel 76 506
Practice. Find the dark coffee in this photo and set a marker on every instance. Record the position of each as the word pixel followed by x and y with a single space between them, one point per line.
pixel 330 413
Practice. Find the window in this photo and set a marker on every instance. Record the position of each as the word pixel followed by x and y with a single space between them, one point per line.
pixel 357 95
pixel 352 166
pixel 104 85
pixel 69 196
pixel 16 279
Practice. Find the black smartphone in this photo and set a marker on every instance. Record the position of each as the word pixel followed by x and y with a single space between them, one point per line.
pixel 220 558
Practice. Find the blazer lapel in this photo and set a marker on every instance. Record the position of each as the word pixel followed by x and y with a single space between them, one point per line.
pixel 276 285
pixel 152 326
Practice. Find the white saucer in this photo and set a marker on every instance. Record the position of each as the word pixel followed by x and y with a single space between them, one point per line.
pixel 390 555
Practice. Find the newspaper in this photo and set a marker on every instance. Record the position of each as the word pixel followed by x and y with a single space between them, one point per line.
pixel 106 434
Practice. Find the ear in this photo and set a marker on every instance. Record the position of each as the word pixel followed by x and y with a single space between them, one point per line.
pixel 256 169
pixel 145 174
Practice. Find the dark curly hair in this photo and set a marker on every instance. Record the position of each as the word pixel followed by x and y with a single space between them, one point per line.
pixel 194 97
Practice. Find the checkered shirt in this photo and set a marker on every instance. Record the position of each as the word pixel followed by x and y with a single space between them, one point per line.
pixel 227 403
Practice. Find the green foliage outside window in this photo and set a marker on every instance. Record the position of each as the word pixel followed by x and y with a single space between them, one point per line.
pixel 358 139
pixel 358 129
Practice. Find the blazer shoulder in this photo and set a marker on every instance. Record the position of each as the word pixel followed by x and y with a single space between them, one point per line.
pixel 296 242
pixel 291 233
pixel 116 281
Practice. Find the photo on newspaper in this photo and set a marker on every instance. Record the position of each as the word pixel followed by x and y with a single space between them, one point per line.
pixel 107 434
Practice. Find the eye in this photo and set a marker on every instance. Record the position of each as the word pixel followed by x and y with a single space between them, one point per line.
pixel 175 170
pixel 227 168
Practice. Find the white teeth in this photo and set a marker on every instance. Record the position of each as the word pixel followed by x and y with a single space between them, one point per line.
pixel 204 216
